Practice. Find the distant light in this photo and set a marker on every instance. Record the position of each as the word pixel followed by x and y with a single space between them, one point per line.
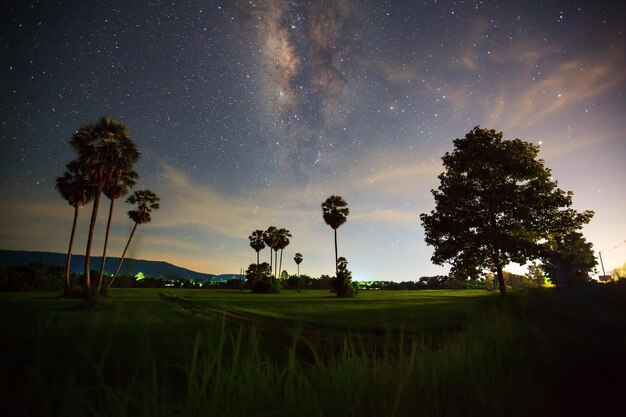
pixel 540 143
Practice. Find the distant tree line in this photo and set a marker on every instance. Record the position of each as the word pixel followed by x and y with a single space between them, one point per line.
pixel 38 276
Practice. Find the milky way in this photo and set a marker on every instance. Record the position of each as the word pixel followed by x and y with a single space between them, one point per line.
pixel 249 113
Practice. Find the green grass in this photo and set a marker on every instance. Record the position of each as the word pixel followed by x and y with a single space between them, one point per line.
pixel 141 354
pixel 414 310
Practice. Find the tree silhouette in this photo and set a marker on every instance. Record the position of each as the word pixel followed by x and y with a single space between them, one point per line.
pixel 298 260
pixel 283 241
pixel 570 260
pixel 256 242
pixel 260 279
pixel 496 203
pixel 335 212
pixel 269 238
pixel 342 283
pixel 75 188
pixel 116 189
pixel 146 202
pixel 104 149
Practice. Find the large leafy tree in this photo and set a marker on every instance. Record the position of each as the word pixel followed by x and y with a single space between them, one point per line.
pixel 146 202
pixel 257 243
pixel 496 203
pixel 569 260
pixel 75 188
pixel 104 150
pixel 116 189
pixel 335 213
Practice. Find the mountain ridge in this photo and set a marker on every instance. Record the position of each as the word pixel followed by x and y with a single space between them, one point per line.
pixel 154 269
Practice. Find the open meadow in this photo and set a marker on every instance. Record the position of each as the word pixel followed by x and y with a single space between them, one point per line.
pixel 158 352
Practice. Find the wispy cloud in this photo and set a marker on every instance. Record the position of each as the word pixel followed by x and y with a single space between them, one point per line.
pixel 570 83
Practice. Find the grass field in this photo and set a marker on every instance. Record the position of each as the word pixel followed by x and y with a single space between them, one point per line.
pixel 371 310
pixel 384 353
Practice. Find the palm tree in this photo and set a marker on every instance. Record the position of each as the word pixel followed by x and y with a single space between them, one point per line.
pixel 104 149
pixel 282 243
pixel 269 238
pixel 117 189
pixel 75 188
pixel 335 212
pixel 298 261
pixel 146 202
pixel 257 243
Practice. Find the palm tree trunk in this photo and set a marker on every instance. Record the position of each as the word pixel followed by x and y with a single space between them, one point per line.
pixel 298 277
pixel 257 258
pixel 69 252
pixel 271 258
pixel 92 226
pixel 336 269
pixel 280 265
pixel 104 251
pixel 275 262
pixel 119 265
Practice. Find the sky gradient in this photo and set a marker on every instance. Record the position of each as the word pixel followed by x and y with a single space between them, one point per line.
pixel 250 114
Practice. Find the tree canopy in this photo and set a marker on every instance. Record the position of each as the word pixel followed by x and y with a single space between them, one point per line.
pixel 496 203
pixel 106 154
pixel 569 260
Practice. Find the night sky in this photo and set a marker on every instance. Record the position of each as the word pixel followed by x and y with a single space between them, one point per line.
pixel 250 113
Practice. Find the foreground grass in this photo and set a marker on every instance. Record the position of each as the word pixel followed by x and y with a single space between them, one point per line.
pixel 537 354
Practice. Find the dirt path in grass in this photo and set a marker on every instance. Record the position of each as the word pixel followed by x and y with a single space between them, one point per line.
pixel 276 325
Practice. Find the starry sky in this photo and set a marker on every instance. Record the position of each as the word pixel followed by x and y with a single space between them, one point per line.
pixel 250 113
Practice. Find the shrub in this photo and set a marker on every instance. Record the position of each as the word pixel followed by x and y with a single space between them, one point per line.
pixel 260 279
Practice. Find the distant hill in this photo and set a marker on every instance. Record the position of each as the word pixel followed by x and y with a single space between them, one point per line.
pixel 153 269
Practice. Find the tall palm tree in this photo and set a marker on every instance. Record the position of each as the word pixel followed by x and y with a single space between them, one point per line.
pixel 75 188
pixel 269 238
pixel 116 189
pixel 146 202
pixel 257 243
pixel 335 212
pixel 283 236
pixel 104 149
pixel 298 260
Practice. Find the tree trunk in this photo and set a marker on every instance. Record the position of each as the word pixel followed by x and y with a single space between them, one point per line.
pixel 336 268
pixel 257 259
pixel 275 262
pixel 271 259
pixel 69 252
pixel 104 251
pixel 92 226
pixel 501 283
pixel 280 265
pixel 298 277
pixel 119 265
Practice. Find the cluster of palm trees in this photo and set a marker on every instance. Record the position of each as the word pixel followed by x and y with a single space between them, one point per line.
pixel 335 213
pixel 104 165
pixel 277 239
